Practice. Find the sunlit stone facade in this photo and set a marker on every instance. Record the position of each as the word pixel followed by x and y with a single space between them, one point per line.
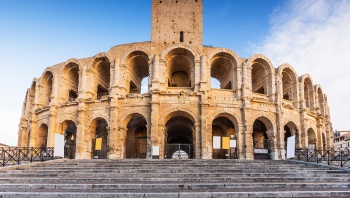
pixel 257 104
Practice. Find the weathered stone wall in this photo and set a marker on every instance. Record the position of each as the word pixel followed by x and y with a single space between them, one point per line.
pixel 257 104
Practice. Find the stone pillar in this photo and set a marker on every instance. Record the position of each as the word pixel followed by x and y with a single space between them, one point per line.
pixel 203 74
pixel 197 131
pixel 155 133
pixel 205 133
pixel 279 133
pixel 197 77
pixel 81 144
pixel 113 129
pixel 52 126
pixel 239 139
pixel 155 73
pixel 239 81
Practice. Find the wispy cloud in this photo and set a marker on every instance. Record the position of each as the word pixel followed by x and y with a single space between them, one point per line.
pixel 314 37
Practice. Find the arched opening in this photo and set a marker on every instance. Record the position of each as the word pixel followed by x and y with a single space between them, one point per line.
pixel 290 129
pixel 222 69
pixel 41 139
pixel 179 137
pixel 262 141
pixel 180 68
pixel 311 139
pixel 289 86
pixel 102 78
pixel 137 64
pixel 99 138
pixel 320 101
pixel 308 93
pixel 260 78
pixel 46 89
pixel 223 127
pixel 136 138
pixel 69 131
pixel 70 79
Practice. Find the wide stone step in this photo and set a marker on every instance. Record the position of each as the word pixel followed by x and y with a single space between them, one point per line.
pixel 328 193
pixel 31 180
pixel 184 186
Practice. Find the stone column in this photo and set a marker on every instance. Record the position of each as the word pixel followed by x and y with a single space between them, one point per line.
pixel 52 126
pixel 203 74
pixel 155 133
pixel 155 74
pixel 239 140
pixel 113 129
pixel 198 150
pixel 197 77
pixel 205 133
pixel 81 144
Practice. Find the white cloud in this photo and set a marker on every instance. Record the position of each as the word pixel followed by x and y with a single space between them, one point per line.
pixel 314 37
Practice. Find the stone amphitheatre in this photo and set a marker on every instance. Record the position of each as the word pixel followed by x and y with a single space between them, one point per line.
pixel 99 98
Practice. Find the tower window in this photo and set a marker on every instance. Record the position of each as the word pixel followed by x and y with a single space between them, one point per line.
pixel 181 36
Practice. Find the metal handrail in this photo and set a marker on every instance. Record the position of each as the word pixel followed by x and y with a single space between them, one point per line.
pixel 18 155
pixel 338 157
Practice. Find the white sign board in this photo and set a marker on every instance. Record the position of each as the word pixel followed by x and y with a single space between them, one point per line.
pixel 155 150
pixel 233 144
pixel 291 147
pixel 58 145
pixel 216 142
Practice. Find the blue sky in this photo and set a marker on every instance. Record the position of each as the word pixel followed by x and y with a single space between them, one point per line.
pixel 312 35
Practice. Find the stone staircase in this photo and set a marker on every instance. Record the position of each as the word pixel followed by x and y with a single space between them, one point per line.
pixel 172 178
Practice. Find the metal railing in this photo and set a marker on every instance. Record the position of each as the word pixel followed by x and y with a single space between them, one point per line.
pixel 336 157
pixel 18 155
pixel 178 151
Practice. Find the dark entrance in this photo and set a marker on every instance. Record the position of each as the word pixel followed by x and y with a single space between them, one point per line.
pixel 179 138
pixel 136 140
pixel 69 139
pixel 223 127
pixel 260 141
pixel 101 131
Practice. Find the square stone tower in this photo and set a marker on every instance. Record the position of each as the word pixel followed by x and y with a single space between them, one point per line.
pixel 177 21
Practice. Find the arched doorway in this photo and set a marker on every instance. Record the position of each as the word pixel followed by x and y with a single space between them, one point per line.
pixel 42 136
pixel 290 129
pixel 70 134
pixel 136 138
pixel 223 127
pixel 179 138
pixel 99 138
pixel 262 140
pixel 311 139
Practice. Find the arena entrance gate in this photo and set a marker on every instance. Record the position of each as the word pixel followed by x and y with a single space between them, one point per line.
pixel 179 138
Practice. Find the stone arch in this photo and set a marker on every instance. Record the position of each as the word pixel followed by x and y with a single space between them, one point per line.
pixel 320 99
pixel 137 65
pixel 166 51
pixel 42 135
pixel 290 129
pixel 136 136
pixel 289 81
pixel 179 132
pixel 312 138
pixel 68 128
pixel 223 67
pixel 262 74
pixel 179 68
pixel 223 124
pixel 176 112
pixel 101 67
pixel 307 88
pixel 263 138
pixel 46 87
pixel 98 128
pixel 69 89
